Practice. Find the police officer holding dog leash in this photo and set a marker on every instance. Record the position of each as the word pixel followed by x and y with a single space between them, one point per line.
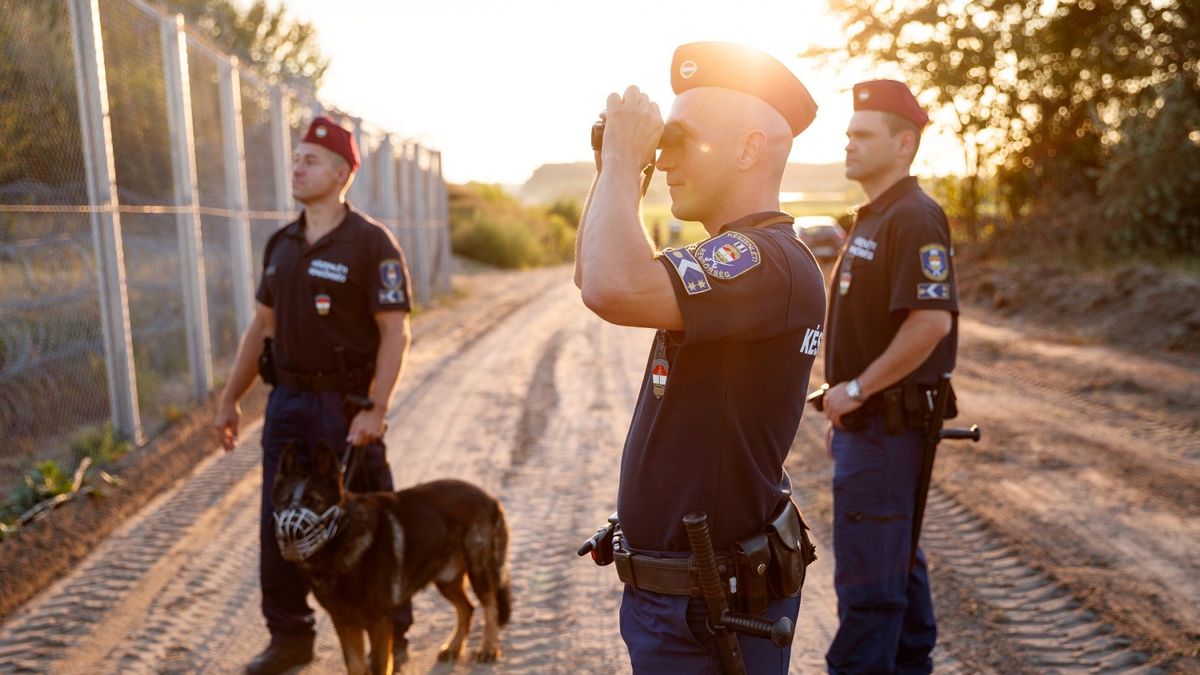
pixel 333 306
pixel 892 337
pixel 738 319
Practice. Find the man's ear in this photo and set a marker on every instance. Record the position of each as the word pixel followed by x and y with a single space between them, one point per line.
pixel 754 146
pixel 907 144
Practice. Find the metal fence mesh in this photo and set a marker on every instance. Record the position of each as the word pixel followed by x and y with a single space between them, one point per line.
pixel 52 365
pixel 57 244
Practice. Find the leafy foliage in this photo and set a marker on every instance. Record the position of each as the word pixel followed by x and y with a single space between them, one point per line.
pixel 43 482
pixel 39 114
pixel 1057 99
pixel 268 38
pixel 488 225
pixel 102 445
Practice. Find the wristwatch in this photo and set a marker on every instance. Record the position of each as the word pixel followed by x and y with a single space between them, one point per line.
pixel 854 391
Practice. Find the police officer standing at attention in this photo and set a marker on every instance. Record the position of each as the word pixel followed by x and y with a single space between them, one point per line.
pixel 334 300
pixel 892 334
pixel 739 321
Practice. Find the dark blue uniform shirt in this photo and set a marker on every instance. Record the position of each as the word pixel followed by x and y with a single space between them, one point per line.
pixel 897 258
pixel 326 295
pixel 721 400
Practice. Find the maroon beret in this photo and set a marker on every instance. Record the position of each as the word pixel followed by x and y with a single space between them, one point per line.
pixel 734 66
pixel 325 132
pixel 892 97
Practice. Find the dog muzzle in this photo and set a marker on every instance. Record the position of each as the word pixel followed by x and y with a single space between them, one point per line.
pixel 301 532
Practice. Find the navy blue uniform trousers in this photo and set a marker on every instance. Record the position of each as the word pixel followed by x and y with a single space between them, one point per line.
pixel 307 417
pixel 668 635
pixel 886 622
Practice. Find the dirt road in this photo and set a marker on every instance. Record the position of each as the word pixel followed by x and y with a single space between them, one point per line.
pixel 1067 541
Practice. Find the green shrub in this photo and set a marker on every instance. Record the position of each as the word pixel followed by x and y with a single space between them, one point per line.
pixel 102 445
pixel 488 225
pixel 44 481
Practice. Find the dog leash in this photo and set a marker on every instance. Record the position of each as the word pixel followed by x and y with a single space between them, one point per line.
pixel 349 457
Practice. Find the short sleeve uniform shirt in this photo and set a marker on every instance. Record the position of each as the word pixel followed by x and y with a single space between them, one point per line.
pixel 326 295
pixel 897 258
pixel 720 401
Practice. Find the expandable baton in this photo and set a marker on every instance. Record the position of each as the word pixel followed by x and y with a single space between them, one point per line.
pixel 934 432
pixel 721 621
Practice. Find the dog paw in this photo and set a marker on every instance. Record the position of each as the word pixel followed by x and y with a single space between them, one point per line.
pixel 487 655
pixel 448 654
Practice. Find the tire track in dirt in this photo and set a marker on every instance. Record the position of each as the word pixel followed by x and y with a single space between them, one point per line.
pixel 1085 489
pixel 132 589
pixel 1099 379
pixel 1051 630
pixel 526 393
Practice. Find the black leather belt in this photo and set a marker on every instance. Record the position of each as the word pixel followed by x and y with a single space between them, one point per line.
pixel 323 381
pixel 669 576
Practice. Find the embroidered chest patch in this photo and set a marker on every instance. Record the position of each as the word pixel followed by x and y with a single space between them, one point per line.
pixel 728 255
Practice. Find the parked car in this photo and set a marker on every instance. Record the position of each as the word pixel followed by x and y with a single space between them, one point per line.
pixel 822 234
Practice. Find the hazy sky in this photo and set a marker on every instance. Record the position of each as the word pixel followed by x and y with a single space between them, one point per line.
pixel 502 87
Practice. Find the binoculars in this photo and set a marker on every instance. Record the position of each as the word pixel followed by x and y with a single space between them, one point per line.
pixel 672 136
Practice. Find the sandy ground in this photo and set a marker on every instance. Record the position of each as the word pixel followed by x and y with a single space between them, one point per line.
pixel 1066 541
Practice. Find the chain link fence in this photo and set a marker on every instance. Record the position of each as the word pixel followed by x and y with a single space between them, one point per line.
pixel 143 171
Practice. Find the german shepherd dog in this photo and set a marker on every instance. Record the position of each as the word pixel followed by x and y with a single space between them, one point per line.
pixel 377 549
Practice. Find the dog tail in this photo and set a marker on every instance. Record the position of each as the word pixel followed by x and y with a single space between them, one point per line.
pixel 504 600
pixel 500 542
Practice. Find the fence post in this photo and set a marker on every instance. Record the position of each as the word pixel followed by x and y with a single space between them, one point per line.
pixel 420 225
pixel 236 195
pixel 92 91
pixel 281 149
pixel 386 199
pixel 433 242
pixel 404 223
pixel 444 254
pixel 183 170
pixel 360 189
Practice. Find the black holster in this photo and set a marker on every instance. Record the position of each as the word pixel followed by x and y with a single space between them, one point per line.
pixel 773 563
pixel 904 407
pixel 266 362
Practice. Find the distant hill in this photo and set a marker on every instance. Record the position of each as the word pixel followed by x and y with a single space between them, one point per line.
pixel 556 181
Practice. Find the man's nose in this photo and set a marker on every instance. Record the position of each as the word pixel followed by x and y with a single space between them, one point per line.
pixel 664 161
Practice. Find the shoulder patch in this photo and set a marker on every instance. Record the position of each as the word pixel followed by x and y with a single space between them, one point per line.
pixel 933 291
pixel 391 274
pixel 935 263
pixel 728 255
pixel 684 262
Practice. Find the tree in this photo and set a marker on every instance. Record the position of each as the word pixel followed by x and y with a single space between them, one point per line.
pixel 1045 92
pixel 267 39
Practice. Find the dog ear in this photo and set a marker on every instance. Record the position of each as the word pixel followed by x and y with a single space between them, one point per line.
pixel 326 460
pixel 288 461
pixel 289 464
pixel 329 467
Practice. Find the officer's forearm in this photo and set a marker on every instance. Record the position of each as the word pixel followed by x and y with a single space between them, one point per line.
pixel 394 338
pixel 587 205
pixel 616 251
pixel 245 365
pixel 916 339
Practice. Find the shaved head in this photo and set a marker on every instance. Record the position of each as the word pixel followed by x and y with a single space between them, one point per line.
pixel 735 115
pixel 732 158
